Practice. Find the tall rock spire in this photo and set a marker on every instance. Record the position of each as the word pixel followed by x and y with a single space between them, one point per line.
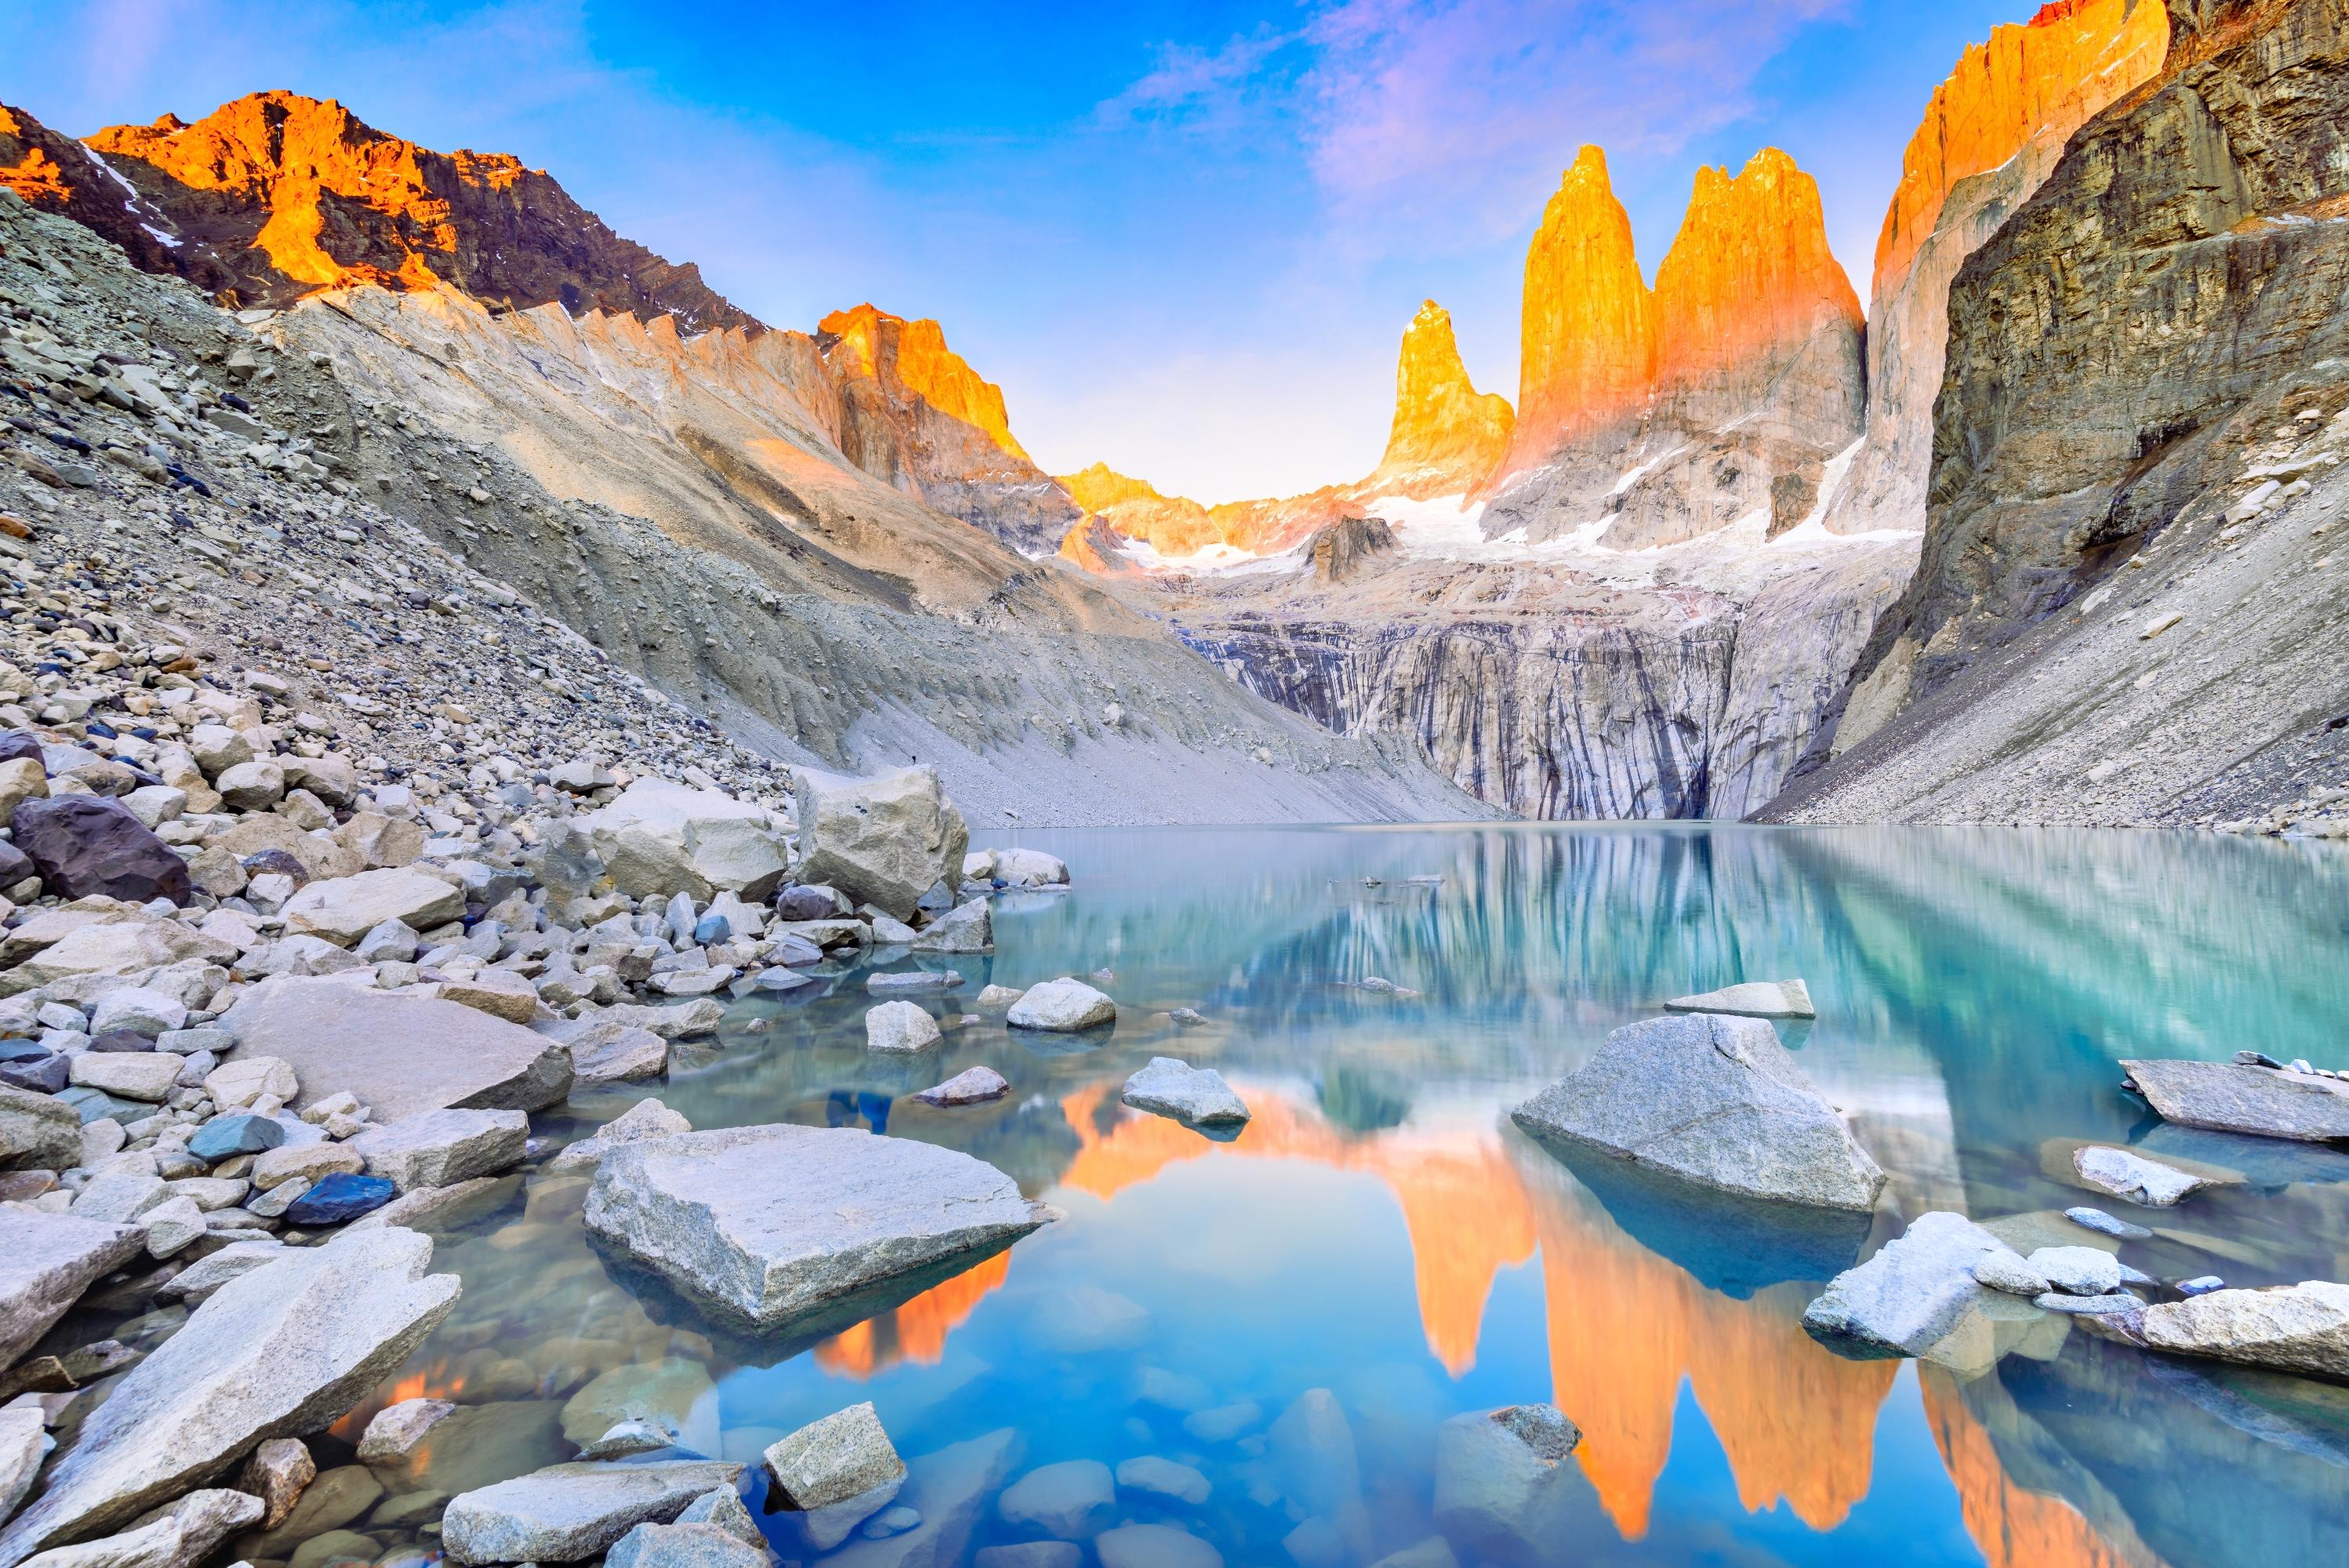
pixel 1446 435
pixel 1748 289
pixel 1589 328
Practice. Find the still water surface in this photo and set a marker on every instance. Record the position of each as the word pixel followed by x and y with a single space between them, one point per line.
pixel 1380 1231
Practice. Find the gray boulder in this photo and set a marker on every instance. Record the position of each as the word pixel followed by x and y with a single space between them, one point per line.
pixel 2136 1178
pixel 2076 1271
pixel 770 1223
pixel 838 1472
pixel 442 1147
pixel 23 1443
pixel 1918 1296
pixel 971 1086
pixel 1168 1087
pixel 2302 1328
pixel 966 928
pixel 399 1055
pixel 1064 1005
pixel 662 838
pixel 605 1050
pixel 2234 1097
pixel 1502 1481
pixel 684 1546
pixel 344 909
pixel 646 1119
pixel 179 1536
pixel 883 841
pixel 46 1261
pixel 38 1132
pixel 567 1511
pixel 1752 999
pixel 900 1027
pixel 283 1351
pixel 1714 1101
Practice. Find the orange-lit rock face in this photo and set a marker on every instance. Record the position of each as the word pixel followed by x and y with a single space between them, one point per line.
pixel 912 356
pixel 1446 435
pixel 58 175
pixel 26 167
pixel 1747 285
pixel 2015 1526
pixel 1588 355
pixel 1172 525
pixel 2045 78
pixel 276 195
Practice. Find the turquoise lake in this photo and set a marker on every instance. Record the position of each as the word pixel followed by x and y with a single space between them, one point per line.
pixel 1381 1243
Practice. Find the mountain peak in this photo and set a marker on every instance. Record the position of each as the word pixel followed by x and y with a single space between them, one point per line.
pixel 276 195
pixel 911 356
pixel 1446 435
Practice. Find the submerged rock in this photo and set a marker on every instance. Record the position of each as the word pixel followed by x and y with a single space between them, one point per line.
pixel 1752 999
pixel 1169 1087
pixel 948 1488
pixel 685 1546
pixel 1154 1546
pixel 838 1472
pixel 1714 1101
pixel 2234 1097
pixel 2104 1224
pixel 1072 1501
pixel 1500 1479
pixel 1064 1005
pixel 281 1351
pixel 567 1511
pixel 1163 1477
pixel 768 1224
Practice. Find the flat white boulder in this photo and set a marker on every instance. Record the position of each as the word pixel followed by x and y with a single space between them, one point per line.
pixel 1714 1101
pixel 2235 1097
pixel 442 1148
pixel 768 1224
pixel 1169 1087
pixel 569 1511
pixel 46 1261
pixel 665 839
pixel 344 909
pixel 399 1055
pixel 283 1351
pixel 1752 999
pixel 1063 1005
pixel 1918 1296
pixel 899 1028
pixel 836 1472
pixel 2136 1178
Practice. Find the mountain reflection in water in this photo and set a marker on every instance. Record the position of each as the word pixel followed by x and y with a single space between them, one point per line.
pixel 1381 1231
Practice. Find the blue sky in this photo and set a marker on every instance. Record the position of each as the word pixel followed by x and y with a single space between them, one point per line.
pixel 1185 237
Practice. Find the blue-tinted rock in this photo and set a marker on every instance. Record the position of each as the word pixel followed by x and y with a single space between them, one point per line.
pixel 97 1105
pixel 239 1132
pixel 2201 1285
pixel 42 1074
pixel 340 1197
pixel 771 980
pixel 22 1050
pixel 712 928
pixel 2105 1225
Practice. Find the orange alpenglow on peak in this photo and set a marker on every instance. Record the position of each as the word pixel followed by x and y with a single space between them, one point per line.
pixel 2049 75
pixel 912 356
pixel 1100 486
pixel 276 195
pixel 1446 435
pixel 1749 279
pixel 1589 328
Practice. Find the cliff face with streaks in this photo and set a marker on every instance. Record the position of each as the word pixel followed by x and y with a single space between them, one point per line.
pixel 1990 137
pixel 915 415
pixel 2128 603
pixel 276 195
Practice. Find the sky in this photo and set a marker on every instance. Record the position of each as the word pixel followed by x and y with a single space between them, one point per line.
pixel 1185 237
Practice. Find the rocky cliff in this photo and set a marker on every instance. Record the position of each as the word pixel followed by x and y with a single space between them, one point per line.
pixel 915 415
pixel 276 195
pixel 2128 603
pixel 1722 394
pixel 55 173
pixel 1446 435
pixel 1133 509
pixel 1989 138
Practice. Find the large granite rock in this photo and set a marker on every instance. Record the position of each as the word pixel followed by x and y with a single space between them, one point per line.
pixel 180 1536
pixel 86 844
pixel 665 839
pixel 1716 1101
pixel 2233 1098
pixel 38 1132
pixel 567 1511
pixel 345 909
pixel 966 928
pixel 46 1261
pixel 883 841
pixel 399 1055
pixel 2129 1175
pixel 769 1224
pixel 1064 1005
pixel 683 1545
pixel 2302 1328
pixel 126 946
pixel 442 1147
pixel 1918 1296
pixel 1171 1088
pixel 283 1351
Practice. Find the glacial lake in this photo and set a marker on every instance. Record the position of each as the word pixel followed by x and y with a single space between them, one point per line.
pixel 1380 1232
